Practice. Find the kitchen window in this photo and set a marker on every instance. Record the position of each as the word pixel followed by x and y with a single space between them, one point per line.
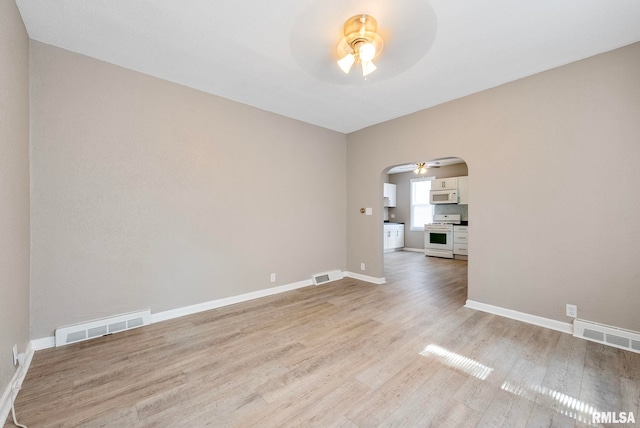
pixel 421 209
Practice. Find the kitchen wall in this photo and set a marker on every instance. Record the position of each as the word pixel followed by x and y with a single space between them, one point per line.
pixel 14 188
pixel 402 212
pixel 148 194
pixel 535 149
pixel 462 210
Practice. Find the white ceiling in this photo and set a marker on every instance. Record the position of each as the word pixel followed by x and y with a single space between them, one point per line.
pixel 280 55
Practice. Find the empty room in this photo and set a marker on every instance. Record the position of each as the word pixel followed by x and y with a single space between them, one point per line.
pixel 319 213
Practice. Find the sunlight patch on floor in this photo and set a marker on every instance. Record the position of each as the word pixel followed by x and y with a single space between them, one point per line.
pixel 555 400
pixel 457 361
pixel 565 404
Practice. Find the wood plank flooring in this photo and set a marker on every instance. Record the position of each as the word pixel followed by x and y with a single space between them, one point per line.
pixel 344 354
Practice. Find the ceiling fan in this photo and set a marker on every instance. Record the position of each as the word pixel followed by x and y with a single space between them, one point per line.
pixel 360 44
pixel 421 167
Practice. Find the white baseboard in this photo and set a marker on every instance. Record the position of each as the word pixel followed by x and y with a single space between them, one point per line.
pixel 563 327
pixel 18 378
pixel 28 356
pixel 50 342
pixel 414 250
pixel 366 278
pixel 43 343
pixel 218 303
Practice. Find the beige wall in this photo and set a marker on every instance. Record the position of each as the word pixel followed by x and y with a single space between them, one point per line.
pixel 402 212
pixel 14 187
pixel 535 149
pixel 147 194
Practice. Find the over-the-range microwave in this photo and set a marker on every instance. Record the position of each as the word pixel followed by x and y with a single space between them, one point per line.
pixel 443 197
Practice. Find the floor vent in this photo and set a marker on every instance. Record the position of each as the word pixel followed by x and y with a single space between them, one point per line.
pixel 321 278
pixel 89 330
pixel 612 336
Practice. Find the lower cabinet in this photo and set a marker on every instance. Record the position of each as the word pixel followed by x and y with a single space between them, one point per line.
pixel 393 236
pixel 460 241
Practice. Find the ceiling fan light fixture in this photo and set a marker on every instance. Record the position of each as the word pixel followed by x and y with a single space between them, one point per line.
pixel 421 168
pixel 360 44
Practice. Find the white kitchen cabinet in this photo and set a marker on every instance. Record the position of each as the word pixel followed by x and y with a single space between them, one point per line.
pixel 460 250
pixel 387 238
pixel 399 240
pixel 393 236
pixel 389 194
pixel 450 183
pixel 460 241
pixel 463 190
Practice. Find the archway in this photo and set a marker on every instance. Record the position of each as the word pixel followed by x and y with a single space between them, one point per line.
pixel 409 208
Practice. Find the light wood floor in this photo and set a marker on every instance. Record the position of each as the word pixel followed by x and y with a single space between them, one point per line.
pixel 345 354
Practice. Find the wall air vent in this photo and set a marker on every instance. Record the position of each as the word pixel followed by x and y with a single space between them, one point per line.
pixel 322 278
pixel 88 330
pixel 612 336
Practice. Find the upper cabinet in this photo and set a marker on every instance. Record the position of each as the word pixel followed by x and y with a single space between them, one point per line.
pixel 463 190
pixel 461 184
pixel 389 194
pixel 445 184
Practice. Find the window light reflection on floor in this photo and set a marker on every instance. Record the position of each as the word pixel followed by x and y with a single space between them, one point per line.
pixel 568 405
pixel 457 361
pixel 556 400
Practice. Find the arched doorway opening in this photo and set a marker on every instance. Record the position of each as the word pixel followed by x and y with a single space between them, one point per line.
pixel 408 204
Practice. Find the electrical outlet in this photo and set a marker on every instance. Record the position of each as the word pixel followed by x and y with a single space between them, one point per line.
pixel 393 216
pixel 273 277
pixel 361 266
pixel 572 311
pixel 15 354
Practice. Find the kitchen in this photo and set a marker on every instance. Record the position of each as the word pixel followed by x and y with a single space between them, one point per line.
pixel 436 195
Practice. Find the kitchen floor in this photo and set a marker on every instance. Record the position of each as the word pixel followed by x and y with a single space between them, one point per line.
pixel 344 354
pixel 401 265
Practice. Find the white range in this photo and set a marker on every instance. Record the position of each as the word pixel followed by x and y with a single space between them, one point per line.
pixel 438 236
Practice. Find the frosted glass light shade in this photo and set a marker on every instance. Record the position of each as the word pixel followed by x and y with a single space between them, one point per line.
pixel 367 52
pixel 346 62
pixel 368 68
